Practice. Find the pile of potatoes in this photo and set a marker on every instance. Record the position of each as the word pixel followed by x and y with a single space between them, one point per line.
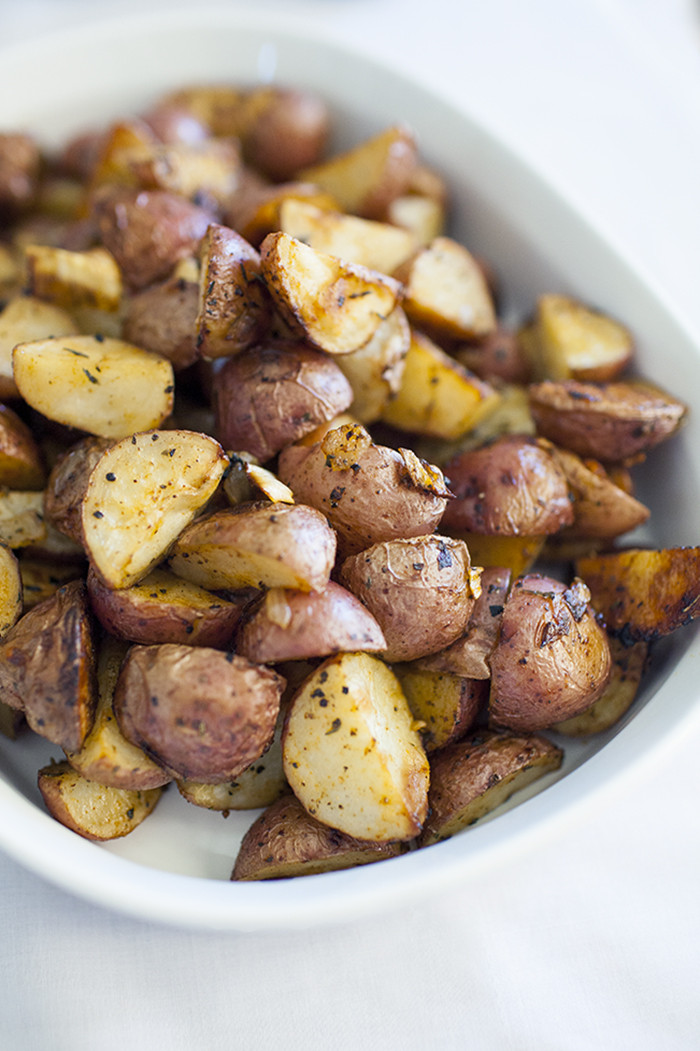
pixel 278 486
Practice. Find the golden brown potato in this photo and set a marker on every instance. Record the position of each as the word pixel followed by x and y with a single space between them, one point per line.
pixel 74 279
pixel 164 608
pixel 96 384
pixel 268 397
pixel 141 494
pixel 24 320
pixel 601 509
pixel 445 291
pixel 105 755
pixel 511 487
pixel 20 163
pixel 470 778
pixel 295 625
pixel 260 545
pixel 21 518
pixel 552 659
pixel 289 133
pixel 255 210
pixel 111 163
pixel 233 308
pixel 68 482
pixel 205 172
pixel 202 714
pixel 335 305
pixel 351 754
pixel 629 665
pixel 368 492
pixel 612 422
pixel 10 589
pixel 246 481
pixel 148 232
pixel 446 705
pixel 286 841
pixel 572 341
pixel 366 179
pixel 21 462
pixel 375 370
pixel 422 216
pixel 420 590
pixel 644 594
pixel 162 318
pixel 47 667
pixel 94 811
pixel 42 577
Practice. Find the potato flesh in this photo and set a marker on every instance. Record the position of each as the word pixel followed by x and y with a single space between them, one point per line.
pixel 101 385
pixel 141 495
pixel 94 811
pixel 575 342
pixel 21 518
pixel 21 464
pixel 74 279
pixel 10 589
pixel 351 754
pixel 375 370
pixel 24 320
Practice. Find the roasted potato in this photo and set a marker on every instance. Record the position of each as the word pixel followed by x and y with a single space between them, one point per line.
pixel 20 163
pixel 629 663
pixel 41 578
pixel 446 705
pixel 602 509
pixel 232 306
pixel 74 279
pixel 572 341
pixel 25 319
pixel 375 371
pixel 288 133
pixel 21 518
pixel 162 318
pixel 68 482
pixel 21 461
pixel 94 811
pixel 10 589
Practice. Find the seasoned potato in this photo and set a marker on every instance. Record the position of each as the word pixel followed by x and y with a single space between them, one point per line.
pixel 286 841
pixel 375 370
pixel 612 422
pixel 268 397
pixel 162 318
pixel 351 754
pixel 446 704
pixel 233 308
pixel 21 463
pixel 263 545
pixel 105 386
pixel 295 625
pixel 255 210
pixel 572 341
pixel 94 811
pixel 420 590
pixel 47 667
pixel 24 320
pixel 202 714
pixel 105 755
pixel 368 492
pixel 470 778
pixel 164 608
pixel 246 481
pixel 203 172
pixel 74 279
pixel 141 494
pixel 68 482
pixel 644 594
pixel 629 664
pixel 437 396
pixel 335 305
pixel 601 508
pixel 10 589
pixel 552 659
pixel 21 518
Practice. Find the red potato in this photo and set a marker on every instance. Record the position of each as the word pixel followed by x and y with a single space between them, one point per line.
pixel 288 134
pixel 96 812
pixel 444 705
pixel 233 309
pixel 68 482
pixel 162 318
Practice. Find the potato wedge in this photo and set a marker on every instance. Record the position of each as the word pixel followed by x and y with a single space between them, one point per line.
pixel 94 811
pixel 336 306
pixel 446 704
pixel 233 309
pixel 437 396
pixel 286 841
pixel 421 591
pixel 141 494
pixel 602 509
pixel 255 211
pixel 21 462
pixel 207 171
pixel 375 371
pixel 10 589
pixel 74 279
pixel 68 482
pixel 644 594
pixel 104 386
pixel 295 625
pixel 470 778
pixel 25 319
pixel 629 664
pixel 491 550
pixel 424 217
pixel 21 518
pixel 202 714
pixel 262 545
pixel 572 341
pixel 47 667
pixel 351 754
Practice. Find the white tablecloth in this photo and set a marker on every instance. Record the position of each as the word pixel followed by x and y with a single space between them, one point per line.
pixel 592 940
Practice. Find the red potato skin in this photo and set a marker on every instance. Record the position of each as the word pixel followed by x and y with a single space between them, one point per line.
pixel 162 319
pixel 290 134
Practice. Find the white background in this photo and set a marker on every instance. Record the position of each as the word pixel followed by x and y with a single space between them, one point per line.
pixel 592 940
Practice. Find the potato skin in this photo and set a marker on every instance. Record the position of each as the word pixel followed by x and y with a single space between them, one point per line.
pixel 290 133
pixel 419 590
pixel 552 659
pixel 202 714
pixel 269 397
pixel 68 482
pixel 162 319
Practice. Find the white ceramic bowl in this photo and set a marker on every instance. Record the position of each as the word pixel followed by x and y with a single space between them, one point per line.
pixel 175 867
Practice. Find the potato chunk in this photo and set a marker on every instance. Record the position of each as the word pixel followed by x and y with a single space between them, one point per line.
pixel 25 319
pixel 351 754
pixel 94 811
pixel 232 305
pixel 142 493
pixel 101 385
pixel 21 465
pixel 74 279
pixel 572 341
pixel 10 589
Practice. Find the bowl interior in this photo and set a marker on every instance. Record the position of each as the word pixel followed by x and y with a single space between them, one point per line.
pixel 175 867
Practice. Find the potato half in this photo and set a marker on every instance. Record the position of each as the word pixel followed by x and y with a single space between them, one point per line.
pixel 10 589
pixel 94 811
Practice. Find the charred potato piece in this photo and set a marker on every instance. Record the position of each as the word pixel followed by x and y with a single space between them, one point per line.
pixel 74 279
pixel 446 704
pixel 335 305
pixel 47 667
pixel 94 811
pixel 644 594
pixel 105 755
pixel 572 341
pixel 268 545
pixel 294 625
pixel 24 320
pixel 202 714
pixel 437 396
pixel 470 778
pixel 613 422
pixel 421 592
pixel 286 841
pixel 351 754
pixel 21 462
pixel 20 163
pixel 233 309
pixel 629 664
pixel 375 371
pixel 21 518
pixel 162 318
pixel 270 396
pixel 68 482
pixel 368 492
pixel 100 385
pixel 141 494
pixel 10 590
pixel 366 179
pixel 552 659
pixel 601 508
pixel 164 608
